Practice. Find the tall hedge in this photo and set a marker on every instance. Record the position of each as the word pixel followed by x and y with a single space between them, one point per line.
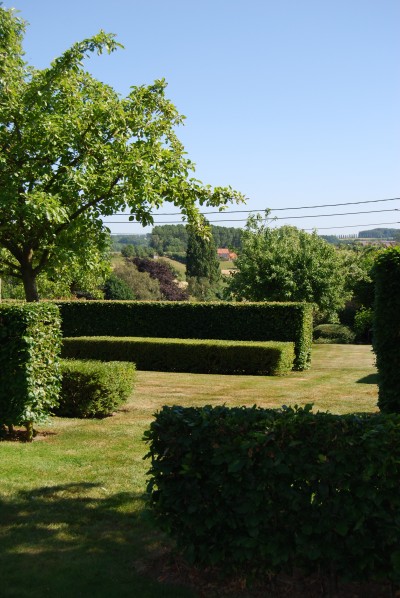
pixel 386 328
pixel 30 342
pixel 288 322
pixel 252 489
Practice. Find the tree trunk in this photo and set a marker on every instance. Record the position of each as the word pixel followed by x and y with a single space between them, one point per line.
pixel 29 280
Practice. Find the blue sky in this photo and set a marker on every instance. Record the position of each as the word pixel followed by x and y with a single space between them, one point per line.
pixel 293 103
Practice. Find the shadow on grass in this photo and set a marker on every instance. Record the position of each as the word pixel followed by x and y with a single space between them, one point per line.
pixel 370 379
pixel 59 541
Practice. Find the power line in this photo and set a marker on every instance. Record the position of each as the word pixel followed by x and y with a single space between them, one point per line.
pixel 245 220
pixel 328 205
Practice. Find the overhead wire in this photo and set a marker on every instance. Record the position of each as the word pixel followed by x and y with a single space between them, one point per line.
pixel 245 220
pixel 331 205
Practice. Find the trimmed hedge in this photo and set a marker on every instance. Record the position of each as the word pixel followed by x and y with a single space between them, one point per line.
pixel 287 322
pixel 386 328
pixel 187 355
pixel 93 388
pixel 251 489
pixel 30 338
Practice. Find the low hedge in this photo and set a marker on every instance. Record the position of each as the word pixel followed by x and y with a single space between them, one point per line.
pixel 186 355
pixel 287 322
pixel 30 338
pixel 251 489
pixel 93 388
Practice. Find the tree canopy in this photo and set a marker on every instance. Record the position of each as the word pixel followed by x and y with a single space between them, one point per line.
pixel 73 151
pixel 288 264
pixel 201 257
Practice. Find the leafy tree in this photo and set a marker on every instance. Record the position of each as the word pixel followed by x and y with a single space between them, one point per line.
pixel 163 273
pixel 142 286
pixel 201 256
pixel 358 265
pixel 287 264
pixel 73 151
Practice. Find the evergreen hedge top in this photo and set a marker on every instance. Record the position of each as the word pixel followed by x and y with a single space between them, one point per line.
pixel 290 322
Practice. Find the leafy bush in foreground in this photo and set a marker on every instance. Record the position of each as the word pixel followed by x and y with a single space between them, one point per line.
pixel 93 388
pixel 251 489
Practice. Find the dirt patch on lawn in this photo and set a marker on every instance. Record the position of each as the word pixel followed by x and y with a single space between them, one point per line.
pixel 20 435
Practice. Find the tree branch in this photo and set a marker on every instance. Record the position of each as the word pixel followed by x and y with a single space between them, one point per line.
pixel 87 206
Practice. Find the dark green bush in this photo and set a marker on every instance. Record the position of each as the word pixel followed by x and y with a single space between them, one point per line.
pixel 333 333
pixel 116 289
pixel 30 338
pixel 386 328
pixel 287 322
pixel 254 489
pixel 187 355
pixel 93 388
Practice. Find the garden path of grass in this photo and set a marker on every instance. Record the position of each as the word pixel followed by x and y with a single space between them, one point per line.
pixel 72 515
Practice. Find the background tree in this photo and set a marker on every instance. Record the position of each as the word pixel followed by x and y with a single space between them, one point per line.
pixel 141 285
pixel 115 288
pixel 287 264
pixel 201 256
pixel 73 151
pixel 162 272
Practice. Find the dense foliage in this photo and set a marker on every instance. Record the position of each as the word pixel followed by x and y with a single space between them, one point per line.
pixel 74 151
pixel 116 288
pixel 30 338
pixel 288 322
pixel 94 388
pixel 161 271
pixel 142 286
pixel 287 264
pixel 187 355
pixel 201 257
pixel 173 238
pixel 386 328
pixel 250 489
pixel 136 251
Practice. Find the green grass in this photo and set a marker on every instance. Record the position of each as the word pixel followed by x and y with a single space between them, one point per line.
pixel 72 515
pixel 228 265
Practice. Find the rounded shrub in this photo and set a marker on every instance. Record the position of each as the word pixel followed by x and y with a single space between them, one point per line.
pixel 333 333
pixel 94 388
pixel 117 289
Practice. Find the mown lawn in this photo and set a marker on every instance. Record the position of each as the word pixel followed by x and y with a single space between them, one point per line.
pixel 72 515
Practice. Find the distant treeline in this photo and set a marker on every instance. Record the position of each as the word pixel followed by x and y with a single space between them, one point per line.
pixel 172 239
pixel 379 233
